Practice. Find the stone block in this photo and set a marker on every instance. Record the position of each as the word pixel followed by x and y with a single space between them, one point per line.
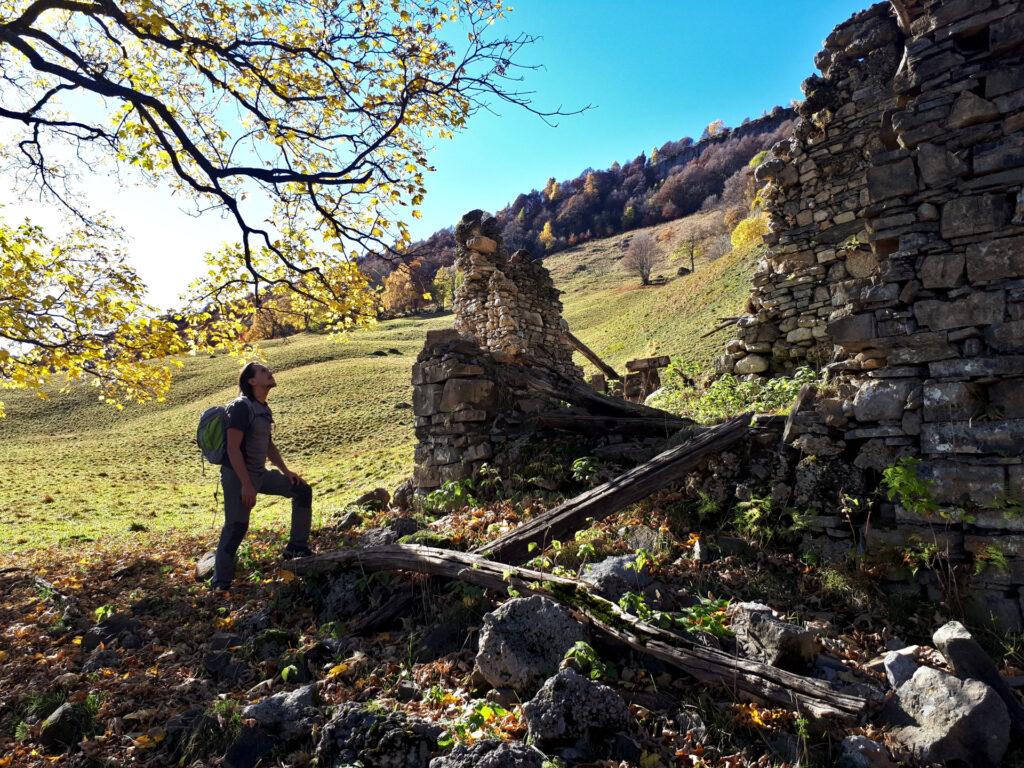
pixel 1006 154
pixel 970 109
pixel 481 244
pixel 978 367
pixel 478 393
pixel 441 336
pixel 892 180
pixel 861 264
pixel 996 260
pixel 952 401
pixel 977 308
pixel 938 167
pixel 1003 438
pixel 882 400
pixel 941 270
pixel 918 348
pixel 850 329
pixel 955 483
pixel 426 399
pixel 1006 337
pixel 1006 398
pixel 974 215
pixel 751 364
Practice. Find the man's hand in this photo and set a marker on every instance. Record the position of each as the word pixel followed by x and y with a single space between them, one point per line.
pixel 248 496
pixel 293 477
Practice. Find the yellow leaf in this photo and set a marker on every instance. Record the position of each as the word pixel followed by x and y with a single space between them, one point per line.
pixel 337 669
pixel 286 576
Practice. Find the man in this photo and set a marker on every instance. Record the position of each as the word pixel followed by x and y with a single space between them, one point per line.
pixel 244 474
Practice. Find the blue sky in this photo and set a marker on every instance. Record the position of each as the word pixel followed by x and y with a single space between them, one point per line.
pixel 654 71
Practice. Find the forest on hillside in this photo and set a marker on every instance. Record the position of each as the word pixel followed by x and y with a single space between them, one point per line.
pixel 675 180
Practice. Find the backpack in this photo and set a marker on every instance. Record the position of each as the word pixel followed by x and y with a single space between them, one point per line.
pixel 212 433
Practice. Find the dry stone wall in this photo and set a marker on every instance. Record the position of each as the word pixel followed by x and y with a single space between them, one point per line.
pixel 509 305
pixel 897 261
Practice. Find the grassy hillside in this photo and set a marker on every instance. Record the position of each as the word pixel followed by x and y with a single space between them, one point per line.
pixel 78 470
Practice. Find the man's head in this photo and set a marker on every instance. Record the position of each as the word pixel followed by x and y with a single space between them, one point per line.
pixel 255 381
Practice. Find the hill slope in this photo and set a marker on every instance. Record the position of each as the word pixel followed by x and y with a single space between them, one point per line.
pixel 78 469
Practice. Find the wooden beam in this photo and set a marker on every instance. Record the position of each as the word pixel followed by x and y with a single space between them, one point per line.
pixel 604 500
pixel 742 677
pixel 591 355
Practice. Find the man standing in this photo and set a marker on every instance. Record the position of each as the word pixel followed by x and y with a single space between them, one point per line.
pixel 244 474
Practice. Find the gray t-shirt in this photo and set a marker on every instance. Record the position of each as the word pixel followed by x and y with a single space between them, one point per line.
pixel 255 420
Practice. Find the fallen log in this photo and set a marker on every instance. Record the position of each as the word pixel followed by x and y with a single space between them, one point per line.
pixel 591 355
pixel 581 422
pixel 744 678
pixel 604 500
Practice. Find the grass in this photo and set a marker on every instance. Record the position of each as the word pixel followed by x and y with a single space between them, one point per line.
pixel 77 470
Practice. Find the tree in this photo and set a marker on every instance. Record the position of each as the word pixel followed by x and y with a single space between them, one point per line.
pixel 551 190
pixel 692 238
pixel 303 121
pixel 401 294
pixel 715 128
pixel 443 287
pixel 547 236
pixel 749 232
pixel 641 256
pixel 75 307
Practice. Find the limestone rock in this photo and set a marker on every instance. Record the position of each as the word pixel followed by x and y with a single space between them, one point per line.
pixel 571 707
pixel 862 752
pixel 761 636
pixel 63 729
pixel 523 641
pixel 952 720
pixel 900 665
pixel 490 753
pixel 289 714
pixel 357 735
pixel 881 400
pixel 376 499
pixel 970 109
pixel 204 567
pixel 751 364
pixel 614 576
pixel 862 264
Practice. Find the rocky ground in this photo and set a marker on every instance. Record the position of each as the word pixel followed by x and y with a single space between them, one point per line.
pixel 125 659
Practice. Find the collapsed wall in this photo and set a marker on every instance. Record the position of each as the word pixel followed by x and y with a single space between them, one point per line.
pixel 897 262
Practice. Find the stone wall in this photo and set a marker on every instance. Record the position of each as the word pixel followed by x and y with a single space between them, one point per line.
pixel 897 259
pixel 510 306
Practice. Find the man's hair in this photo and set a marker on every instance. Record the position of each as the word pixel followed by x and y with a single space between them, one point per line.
pixel 243 378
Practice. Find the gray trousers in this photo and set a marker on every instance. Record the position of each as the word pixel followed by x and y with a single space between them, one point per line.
pixel 236 516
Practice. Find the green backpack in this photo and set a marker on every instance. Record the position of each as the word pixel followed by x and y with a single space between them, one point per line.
pixel 212 433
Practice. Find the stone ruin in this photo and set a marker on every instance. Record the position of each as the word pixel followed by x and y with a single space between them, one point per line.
pixel 896 262
pixel 507 316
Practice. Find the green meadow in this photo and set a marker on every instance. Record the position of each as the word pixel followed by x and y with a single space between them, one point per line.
pixel 77 470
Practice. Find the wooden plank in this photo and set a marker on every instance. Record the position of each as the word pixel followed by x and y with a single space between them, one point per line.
pixel 591 355
pixel 604 500
pixel 581 422
pixel 743 677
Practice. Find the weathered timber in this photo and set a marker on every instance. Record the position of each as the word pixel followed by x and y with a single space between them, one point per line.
pixel 606 499
pixel 576 393
pixel 742 677
pixel 588 353
pixel 581 422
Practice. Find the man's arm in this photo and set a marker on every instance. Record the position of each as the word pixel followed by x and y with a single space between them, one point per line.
pixel 278 461
pixel 238 464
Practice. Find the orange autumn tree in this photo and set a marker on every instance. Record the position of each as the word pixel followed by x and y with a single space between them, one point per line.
pixel 303 121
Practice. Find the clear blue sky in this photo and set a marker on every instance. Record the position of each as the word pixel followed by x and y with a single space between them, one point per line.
pixel 655 71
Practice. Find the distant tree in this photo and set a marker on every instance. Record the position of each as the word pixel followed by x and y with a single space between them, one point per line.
pixel 547 236
pixel 401 294
pixel 692 240
pixel 551 189
pixel 655 156
pixel 715 128
pixel 641 257
pixel 443 288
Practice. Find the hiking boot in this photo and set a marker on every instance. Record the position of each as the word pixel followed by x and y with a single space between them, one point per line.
pixel 293 551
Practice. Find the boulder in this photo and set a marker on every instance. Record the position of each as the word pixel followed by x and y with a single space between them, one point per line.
pixel 117 628
pixel 569 707
pixel 376 499
pixel 951 720
pixel 390 533
pixel 345 598
pixel 63 729
pixel 101 659
pixel 490 753
pixel 614 576
pixel 900 665
pixel 523 641
pixel 357 735
pixel 969 660
pixel 862 752
pixel 761 636
pixel 289 714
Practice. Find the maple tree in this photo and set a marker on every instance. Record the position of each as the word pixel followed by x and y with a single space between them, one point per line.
pixel 304 121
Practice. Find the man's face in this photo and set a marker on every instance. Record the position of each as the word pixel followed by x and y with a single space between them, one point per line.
pixel 263 377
